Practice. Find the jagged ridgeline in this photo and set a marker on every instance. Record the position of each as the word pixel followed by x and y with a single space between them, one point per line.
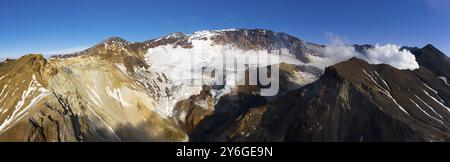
pixel 133 91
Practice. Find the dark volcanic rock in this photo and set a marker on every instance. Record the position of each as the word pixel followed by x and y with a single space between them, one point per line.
pixel 353 101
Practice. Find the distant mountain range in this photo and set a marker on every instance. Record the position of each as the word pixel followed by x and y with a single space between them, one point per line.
pixel 168 89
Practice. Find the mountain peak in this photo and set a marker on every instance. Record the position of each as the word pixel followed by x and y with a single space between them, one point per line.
pixel 112 41
pixel 432 49
pixel 175 35
pixel 430 46
pixel 252 31
pixel 352 64
pixel 115 40
pixel 353 69
pixel 32 57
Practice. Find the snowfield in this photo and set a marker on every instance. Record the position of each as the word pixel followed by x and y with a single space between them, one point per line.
pixel 191 68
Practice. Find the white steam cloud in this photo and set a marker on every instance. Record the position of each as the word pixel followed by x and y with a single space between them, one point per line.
pixel 339 53
pixel 380 54
pixel 392 55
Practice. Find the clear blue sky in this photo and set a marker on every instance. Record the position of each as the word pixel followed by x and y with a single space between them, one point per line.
pixel 31 26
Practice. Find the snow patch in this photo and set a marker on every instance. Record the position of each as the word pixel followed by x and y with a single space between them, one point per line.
pixel 436 100
pixel 445 79
pixel 122 68
pixel 420 108
pixel 383 81
pixel 3 90
pixel 387 93
pixel 117 94
pixel 34 90
pixel 202 103
pixel 370 77
pixel 429 107
pixel 95 97
pixel 431 89
pixel 182 116
pixel 174 36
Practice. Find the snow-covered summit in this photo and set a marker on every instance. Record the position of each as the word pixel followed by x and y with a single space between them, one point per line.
pixel 175 35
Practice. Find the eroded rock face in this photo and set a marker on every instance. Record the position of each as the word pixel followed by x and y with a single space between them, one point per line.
pixel 82 98
pixel 238 116
pixel 190 112
pixel 355 101
pixel 269 40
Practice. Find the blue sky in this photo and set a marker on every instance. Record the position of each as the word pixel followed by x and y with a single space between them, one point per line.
pixel 49 26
